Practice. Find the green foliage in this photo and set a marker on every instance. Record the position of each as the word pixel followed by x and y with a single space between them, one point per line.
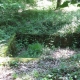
pixel 19 1
pixel 64 73
pixel 36 74
pixel 73 1
pixel 19 45
pixel 3 35
pixel 11 50
pixel 78 5
pixel 14 75
pixel 46 20
pixel 35 47
pixel 8 9
pixel 13 63
pixel 31 2
pixel 35 21
pixel 39 22
pixel 33 50
pixel 68 69
pixel 65 4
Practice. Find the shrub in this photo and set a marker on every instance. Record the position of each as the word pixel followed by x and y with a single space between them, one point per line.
pixel 35 48
pixel 3 35
pixel 13 63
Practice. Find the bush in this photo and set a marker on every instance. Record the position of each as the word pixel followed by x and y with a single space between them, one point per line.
pixel 35 48
pixel 8 9
pixel 3 35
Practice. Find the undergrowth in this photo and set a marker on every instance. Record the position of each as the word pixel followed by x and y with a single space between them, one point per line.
pixel 69 69
pixel 33 50
pixel 41 22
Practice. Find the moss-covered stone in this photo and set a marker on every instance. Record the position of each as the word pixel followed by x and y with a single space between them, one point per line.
pixel 11 49
pixel 7 48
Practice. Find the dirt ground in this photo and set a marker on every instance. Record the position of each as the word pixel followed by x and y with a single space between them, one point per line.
pixel 32 69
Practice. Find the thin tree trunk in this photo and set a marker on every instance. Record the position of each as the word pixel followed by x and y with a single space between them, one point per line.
pixel 58 3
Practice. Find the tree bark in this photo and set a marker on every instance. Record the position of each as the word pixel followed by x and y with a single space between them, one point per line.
pixel 58 3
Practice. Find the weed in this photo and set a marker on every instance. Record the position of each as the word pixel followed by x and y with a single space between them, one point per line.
pixel 3 35
pixel 13 63
pixel 33 50
pixel 36 74
pixel 14 76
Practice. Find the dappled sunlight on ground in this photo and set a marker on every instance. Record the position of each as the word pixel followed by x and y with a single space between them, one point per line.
pixel 3 47
pixel 44 4
pixel 4 60
pixel 38 67
pixel 70 28
pixel 62 53
pixel 70 8
pixel 40 5
pixel 6 73
pixel 25 77
pixel 33 69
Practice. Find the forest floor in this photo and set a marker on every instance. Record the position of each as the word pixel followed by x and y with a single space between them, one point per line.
pixel 42 67
pixel 36 69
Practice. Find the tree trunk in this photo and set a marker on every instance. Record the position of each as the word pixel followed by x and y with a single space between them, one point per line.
pixel 58 3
